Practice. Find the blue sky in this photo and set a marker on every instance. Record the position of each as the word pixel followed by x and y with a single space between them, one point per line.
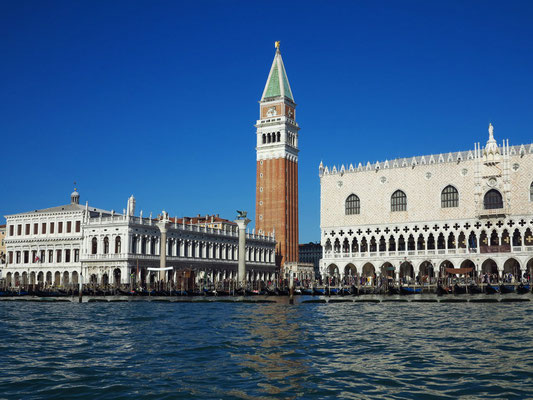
pixel 159 98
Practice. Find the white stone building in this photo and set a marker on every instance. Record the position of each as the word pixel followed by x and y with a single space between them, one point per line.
pixel 417 216
pixel 52 247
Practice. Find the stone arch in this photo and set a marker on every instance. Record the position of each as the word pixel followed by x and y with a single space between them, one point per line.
pixel 106 245
pixel 57 278
pixel 105 279
pixel 94 245
pixel 517 238
pixel 469 264
pixel 333 270
pixel 9 279
pixel 40 278
pixel 75 280
pixel 441 242
pixel 411 243
pixel 355 245
pixel 452 244
pixel 494 238
pixel 49 277
pixel 426 271
pixel 421 242
pixel 350 270
pixel 401 243
pixel 461 241
pixel 93 279
pixel 387 270
pixel 17 279
pixel 25 279
pixel 529 267
pixel 512 266
pixel 364 245
pixel 382 244
pixel 392 243
pixel 117 275
pixel 431 242
pixel 406 270
pixel 443 265
pixel 368 269
pixel 327 246
pixel 528 238
pixel 489 266
pixel 345 245
pixel 65 278
pixel 337 245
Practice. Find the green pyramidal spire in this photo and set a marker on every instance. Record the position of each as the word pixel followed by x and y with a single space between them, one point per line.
pixel 277 83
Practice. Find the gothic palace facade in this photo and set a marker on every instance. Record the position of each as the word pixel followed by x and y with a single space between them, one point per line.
pixel 415 217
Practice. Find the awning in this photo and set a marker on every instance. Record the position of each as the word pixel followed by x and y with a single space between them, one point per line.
pixel 459 271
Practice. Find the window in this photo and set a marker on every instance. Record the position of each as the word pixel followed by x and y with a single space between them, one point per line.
pixel 106 245
pixel 493 200
pixel 27 230
pixel 50 256
pixel 19 229
pixel 51 227
pixel 352 205
pixel 35 229
pixel 69 226
pixel 531 192
pixel 449 197
pixel 34 256
pixel 43 228
pixel 94 246
pixel 67 255
pixel 18 257
pixel 76 255
pixel 58 256
pixel 60 227
pixel 78 226
pixel 11 230
pixel 398 201
pixel 11 257
pixel 117 245
pixel 41 258
pixel 26 256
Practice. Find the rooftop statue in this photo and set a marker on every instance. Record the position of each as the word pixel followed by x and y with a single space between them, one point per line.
pixel 241 214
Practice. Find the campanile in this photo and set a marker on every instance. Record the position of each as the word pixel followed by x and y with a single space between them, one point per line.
pixel 276 205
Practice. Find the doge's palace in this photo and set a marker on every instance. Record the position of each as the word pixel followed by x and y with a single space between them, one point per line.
pixel 414 217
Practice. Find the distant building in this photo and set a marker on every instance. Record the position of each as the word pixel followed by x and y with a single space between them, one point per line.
pixel 419 216
pixel 311 253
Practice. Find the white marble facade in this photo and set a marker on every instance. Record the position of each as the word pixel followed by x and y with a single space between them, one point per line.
pixel 61 246
pixel 415 216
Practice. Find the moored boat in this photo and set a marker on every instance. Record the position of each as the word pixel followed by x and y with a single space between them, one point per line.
pixel 319 291
pixel 474 289
pixel 307 291
pixel 489 289
pixel 522 289
pixel 507 289
pixel 442 290
pixel 409 290
pixel 459 289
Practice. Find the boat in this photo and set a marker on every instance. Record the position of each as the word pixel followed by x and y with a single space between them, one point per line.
pixel 459 289
pixel 248 292
pixel 507 289
pixel 307 291
pixel 283 292
pixel 354 291
pixel 297 292
pixel 442 290
pixel 332 291
pixel 210 292
pixel 272 292
pixel 222 292
pixel 474 289
pixel 393 290
pixel 319 291
pixel 522 289
pixel 345 291
pixel 489 289
pixel 409 290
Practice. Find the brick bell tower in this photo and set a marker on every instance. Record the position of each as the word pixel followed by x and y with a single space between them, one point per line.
pixel 276 205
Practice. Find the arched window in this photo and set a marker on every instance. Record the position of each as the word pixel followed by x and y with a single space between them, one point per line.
pixel 118 245
pixel 278 137
pixel 353 205
pixel 531 192
pixel 94 246
pixel 398 201
pixel 449 197
pixel 106 245
pixel 264 138
pixel 493 199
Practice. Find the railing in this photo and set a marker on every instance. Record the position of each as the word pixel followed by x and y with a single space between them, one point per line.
pixel 411 253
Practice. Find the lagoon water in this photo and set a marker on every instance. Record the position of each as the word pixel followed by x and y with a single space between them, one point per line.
pixel 154 350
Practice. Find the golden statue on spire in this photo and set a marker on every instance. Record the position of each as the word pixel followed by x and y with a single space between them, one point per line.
pixel 277 44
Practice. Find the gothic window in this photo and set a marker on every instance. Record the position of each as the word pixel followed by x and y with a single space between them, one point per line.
pixel 493 199
pixel 531 192
pixel 353 205
pixel 449 197
pixel 398 201
pixel 106 245
pixel 94 246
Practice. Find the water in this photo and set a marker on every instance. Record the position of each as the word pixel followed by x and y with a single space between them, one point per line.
pixel 262 351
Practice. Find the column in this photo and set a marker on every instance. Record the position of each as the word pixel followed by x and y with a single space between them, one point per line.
pixel 163 227
pixel 241 223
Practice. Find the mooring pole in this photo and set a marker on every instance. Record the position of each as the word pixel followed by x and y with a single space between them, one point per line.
pixel 80 288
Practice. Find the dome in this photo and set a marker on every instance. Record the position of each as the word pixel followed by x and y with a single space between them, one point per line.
pixel 75 197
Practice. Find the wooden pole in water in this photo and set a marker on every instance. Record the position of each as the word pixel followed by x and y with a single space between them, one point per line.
pixel 80 288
